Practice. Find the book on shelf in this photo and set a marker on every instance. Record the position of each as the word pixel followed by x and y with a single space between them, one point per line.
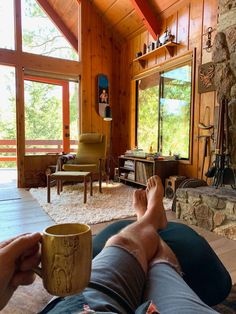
pixel 143 172
pixel 124 175
pixel 131 176
pixel 129 164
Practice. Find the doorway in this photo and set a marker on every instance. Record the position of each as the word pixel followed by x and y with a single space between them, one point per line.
pixel 51 115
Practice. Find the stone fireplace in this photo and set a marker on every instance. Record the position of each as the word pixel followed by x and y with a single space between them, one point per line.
pixel 224 57
pixel 208 207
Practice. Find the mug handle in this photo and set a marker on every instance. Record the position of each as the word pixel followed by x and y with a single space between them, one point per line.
pixel 37 270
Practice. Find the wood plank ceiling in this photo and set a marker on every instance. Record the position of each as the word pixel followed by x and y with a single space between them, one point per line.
pixel 120 15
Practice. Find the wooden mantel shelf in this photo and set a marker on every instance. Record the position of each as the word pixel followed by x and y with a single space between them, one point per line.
pixel 169 47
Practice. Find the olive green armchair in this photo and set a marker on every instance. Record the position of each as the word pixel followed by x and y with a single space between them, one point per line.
pixel 90 157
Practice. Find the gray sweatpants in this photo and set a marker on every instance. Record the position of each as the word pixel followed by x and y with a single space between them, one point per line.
pixel 119 285
pixel 119 270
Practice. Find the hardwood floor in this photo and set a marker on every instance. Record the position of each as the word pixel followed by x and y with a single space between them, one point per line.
pixel 21 213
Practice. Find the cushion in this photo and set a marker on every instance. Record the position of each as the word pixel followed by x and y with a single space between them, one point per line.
pixel 80 167
pixel 203 270
pixel 90 138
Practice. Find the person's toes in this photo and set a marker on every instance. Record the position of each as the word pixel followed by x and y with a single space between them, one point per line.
pixel 149 183
pixel 143 197
pixel 136 195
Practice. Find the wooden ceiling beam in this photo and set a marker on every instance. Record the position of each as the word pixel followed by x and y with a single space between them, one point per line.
pixel 59 23
pixel 148 17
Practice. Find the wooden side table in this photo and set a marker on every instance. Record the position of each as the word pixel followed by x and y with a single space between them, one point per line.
pixel 73 176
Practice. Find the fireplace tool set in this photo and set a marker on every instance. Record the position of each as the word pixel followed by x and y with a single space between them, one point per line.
pixel 221 170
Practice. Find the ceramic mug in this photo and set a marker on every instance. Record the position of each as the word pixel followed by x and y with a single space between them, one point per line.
pixel 66 256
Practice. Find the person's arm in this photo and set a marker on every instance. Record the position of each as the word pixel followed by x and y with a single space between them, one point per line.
pixel 17 258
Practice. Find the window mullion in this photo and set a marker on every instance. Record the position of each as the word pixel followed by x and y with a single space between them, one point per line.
pixel 160 118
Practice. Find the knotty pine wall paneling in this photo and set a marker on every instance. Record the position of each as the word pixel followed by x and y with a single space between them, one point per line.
pixel 35 169
pixel 125 99
pixel 182 36
pixel 108 55
pixel 102 53
pixel 86 79
pixel 115 125
pixel 195 41
pixel 97 39
pixel 207 100
pixel 187 21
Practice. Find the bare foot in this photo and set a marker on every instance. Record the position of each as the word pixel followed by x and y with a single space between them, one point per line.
pixel 165 254
pixel 140 202
pixel 155 193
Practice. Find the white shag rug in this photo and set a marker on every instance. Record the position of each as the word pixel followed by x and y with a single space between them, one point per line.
pixel 115 202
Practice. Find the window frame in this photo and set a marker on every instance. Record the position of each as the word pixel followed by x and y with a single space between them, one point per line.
pixel 67 143
pixel 189 57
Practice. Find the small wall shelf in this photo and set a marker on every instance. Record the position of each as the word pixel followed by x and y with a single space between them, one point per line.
pixel 169 47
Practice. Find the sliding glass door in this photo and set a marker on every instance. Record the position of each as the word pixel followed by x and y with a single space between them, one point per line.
pixel 51 116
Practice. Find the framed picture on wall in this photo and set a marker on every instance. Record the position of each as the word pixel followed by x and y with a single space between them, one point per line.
pixel 206 76
pixel 103 93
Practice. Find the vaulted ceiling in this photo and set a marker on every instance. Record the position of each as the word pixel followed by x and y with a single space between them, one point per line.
pixel 125 17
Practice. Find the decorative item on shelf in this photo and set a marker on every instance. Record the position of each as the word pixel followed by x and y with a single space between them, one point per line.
pixel 149 48
pixel 176 156
pixel 158 43
pixel 144 49
pixel 166 37
pixel 208 43
pixel 136 152
pixel 138 54
pixel 170 37
pixel 152 156
pixel 206 77
pixel 150 149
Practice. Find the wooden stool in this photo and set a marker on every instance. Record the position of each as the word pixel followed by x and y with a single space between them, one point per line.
pixel 73 176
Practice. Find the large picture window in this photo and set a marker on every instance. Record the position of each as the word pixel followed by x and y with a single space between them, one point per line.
pixel 164 111
pixel 7 39
pixel 40 35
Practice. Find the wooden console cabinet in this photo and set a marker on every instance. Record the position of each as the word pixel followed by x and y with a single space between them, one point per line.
pixel 138 170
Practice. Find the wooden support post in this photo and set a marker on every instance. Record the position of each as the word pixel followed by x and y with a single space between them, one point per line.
pixel 48 187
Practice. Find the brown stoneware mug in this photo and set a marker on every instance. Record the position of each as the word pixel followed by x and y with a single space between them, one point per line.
pixel 66 257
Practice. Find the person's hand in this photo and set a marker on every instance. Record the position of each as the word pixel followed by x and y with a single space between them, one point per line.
pixel 17 258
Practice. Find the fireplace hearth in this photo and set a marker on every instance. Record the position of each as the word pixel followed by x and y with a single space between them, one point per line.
pixel 209 208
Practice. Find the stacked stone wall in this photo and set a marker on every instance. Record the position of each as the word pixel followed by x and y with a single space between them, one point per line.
pixel 224 56
pixel 209 208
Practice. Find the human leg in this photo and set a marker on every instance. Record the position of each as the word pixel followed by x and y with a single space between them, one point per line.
pixel 170 293
pixel 101 238
pixel 140 238
pixel 139 204
pixel 166 288
pixel 199 268
pixel 119 270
